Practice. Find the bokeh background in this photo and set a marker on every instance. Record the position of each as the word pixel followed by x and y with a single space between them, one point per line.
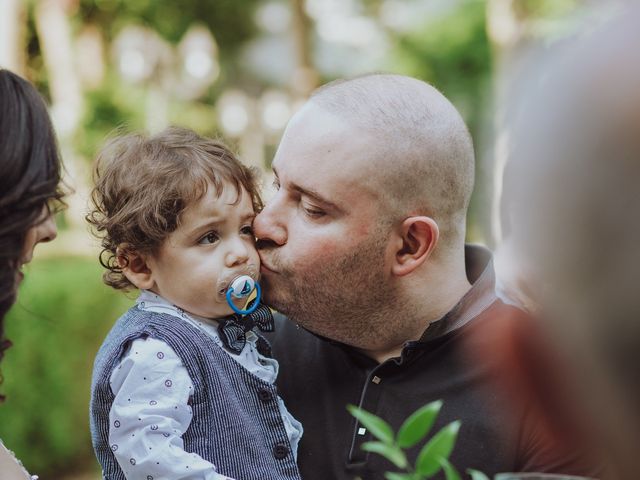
pixel 234 69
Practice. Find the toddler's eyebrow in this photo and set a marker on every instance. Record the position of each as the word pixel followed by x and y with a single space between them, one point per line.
pixel 212 222
pixel 201 227
pixel 249 216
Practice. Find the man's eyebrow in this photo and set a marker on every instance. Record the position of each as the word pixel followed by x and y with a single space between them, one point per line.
pixel 315 196
pixel 310 193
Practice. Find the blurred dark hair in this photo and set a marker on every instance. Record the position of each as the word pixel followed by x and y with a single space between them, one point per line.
pixel 29 178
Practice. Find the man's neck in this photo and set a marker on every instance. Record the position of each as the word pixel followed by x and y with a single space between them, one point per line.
pixel 422 310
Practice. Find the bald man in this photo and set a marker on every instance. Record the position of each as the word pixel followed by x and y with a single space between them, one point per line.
pixel 362 247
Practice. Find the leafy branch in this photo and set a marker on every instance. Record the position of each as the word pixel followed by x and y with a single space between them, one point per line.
pixel 434 455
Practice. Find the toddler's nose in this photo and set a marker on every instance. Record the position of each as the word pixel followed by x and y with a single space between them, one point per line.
pixel 237 254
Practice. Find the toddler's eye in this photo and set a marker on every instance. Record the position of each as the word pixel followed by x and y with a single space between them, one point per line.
pixel 247 230
pixel 211 237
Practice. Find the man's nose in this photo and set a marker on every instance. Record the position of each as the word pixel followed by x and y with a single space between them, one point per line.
pixel 269 226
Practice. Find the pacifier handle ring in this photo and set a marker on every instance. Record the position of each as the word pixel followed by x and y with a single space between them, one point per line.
pixel 249 310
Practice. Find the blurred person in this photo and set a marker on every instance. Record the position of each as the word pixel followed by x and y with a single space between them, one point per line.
pixel 363 246
pixel 183 387
pixel 570 206
pixel 29 182
pixel 30 172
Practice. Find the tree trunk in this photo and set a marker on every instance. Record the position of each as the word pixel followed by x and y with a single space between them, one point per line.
pixel 505 32
pixel 305 77
pixel 54 32
pixel 12 35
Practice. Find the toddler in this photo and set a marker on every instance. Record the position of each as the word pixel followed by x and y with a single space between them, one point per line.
pixel 182 387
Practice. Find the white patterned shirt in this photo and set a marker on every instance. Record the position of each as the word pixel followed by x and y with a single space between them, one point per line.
pixel 151 419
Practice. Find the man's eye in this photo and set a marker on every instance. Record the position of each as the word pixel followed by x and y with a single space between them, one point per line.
pixel 312 211
pixel 211 237
pixel 247 230
pixel 276 184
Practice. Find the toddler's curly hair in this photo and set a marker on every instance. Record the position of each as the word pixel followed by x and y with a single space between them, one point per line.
pixel 143 184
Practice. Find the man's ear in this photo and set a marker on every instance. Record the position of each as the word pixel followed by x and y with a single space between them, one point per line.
pixel 419 238
pixel 135 267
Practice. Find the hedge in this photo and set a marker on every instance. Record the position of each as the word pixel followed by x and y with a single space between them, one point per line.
pixel 62 315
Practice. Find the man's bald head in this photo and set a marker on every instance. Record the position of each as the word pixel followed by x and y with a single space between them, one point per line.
pixel 422 153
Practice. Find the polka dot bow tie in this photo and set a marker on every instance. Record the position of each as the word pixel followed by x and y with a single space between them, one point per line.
pixel 233 330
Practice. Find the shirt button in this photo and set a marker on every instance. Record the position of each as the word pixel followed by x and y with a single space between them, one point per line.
pixel 264 395
pixel 280 451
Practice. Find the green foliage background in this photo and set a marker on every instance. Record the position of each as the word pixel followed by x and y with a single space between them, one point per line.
pixel 453 54
pixel 64 311
pixel 62 315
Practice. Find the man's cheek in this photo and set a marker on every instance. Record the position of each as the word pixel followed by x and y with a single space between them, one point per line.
pixel 320 252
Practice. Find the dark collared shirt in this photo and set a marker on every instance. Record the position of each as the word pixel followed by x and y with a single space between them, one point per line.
pixel 477 359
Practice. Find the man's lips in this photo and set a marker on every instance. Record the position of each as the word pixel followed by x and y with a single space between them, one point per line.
pixel 265 269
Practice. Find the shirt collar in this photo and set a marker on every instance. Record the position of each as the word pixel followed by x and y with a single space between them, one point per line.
pixel 480 273
pixel 148 300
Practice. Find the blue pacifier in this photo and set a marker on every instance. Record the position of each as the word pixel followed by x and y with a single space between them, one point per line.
pixel 242 287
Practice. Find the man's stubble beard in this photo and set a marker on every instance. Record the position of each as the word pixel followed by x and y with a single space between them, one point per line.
pixel 350 300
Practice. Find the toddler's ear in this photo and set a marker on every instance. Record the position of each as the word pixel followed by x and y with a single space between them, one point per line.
pixel 134 267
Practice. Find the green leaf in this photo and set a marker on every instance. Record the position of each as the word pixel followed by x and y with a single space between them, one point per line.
pixel 378 427
pixel 399 476
pixel 390 452
pixel 449 470
pixel 418 424
pixel 439 446
pixel 476 474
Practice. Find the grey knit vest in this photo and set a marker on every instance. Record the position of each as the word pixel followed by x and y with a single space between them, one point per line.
pixel 236 423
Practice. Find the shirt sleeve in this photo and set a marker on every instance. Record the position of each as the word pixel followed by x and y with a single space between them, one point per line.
pixel 150 413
